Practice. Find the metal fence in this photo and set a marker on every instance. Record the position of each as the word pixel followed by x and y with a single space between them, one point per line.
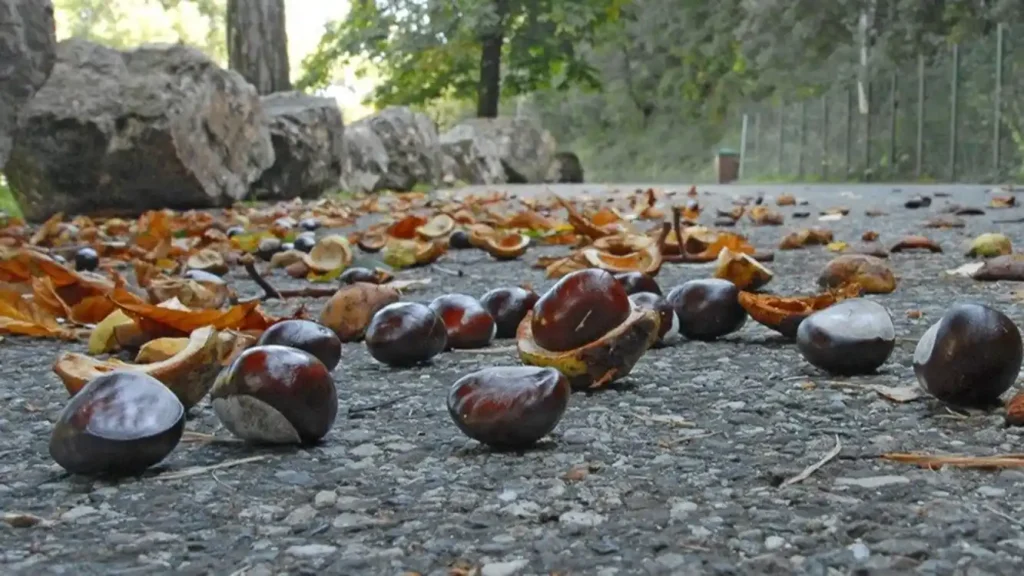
pixel 957 117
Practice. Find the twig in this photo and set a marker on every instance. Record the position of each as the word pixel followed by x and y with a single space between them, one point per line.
pixel 500 350
pixel 269 292
pixel 221 482
pixel 677 216
pixel 814 467
pixel 197 470
pixel 190 436
pixel 448 271
pixel 1002 515
pixel 378 405
pixel 1008 221
pixel 982 462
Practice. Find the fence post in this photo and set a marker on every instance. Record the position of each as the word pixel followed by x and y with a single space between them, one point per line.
pixel 847 149
pixel 997 134
pixel 743 146
pixel 919 144
pixel 756 161
pixel 782 138
pixel 867 129
pixel 803 140
pixel 893 107
pixel 824 136
pixel 954 109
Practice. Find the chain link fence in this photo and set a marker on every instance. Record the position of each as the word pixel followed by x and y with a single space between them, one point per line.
pixel 957 117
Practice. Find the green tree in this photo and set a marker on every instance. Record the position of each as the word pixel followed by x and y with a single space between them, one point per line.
pixel 427 50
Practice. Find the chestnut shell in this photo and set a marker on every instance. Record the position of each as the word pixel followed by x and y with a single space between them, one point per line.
pixel 855 336
pixel 707 308
pixel 276 394
pixel 405 334
pixel 466 322
pixel 637 282
pixel 509 407
pixel 317 339
pixel 667 320
pixel 118 424
pixel 970 357
pixel 579 309
pixel 508 307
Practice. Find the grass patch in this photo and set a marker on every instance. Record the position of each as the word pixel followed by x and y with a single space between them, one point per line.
pixel 7 202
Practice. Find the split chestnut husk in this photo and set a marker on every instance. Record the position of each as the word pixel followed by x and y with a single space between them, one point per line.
pixel 511 407
pixel 600 362
pixel 119 424
pixel 784 314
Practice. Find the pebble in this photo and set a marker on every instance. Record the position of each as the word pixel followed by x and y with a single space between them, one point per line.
pixel 365 451
pixel 301 515
pixel 580 518
pixel 873 481
pixel 991 491
pixel 77 513
pixel 311 550
pixel 774 543
pixel 325 499
pixel 503 568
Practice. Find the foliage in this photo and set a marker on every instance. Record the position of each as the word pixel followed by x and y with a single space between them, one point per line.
pixel 426 50
pixel 7 201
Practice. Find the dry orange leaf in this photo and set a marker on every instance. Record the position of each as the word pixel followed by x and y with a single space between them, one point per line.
pixel 23 316
pixel 406 227
pixel 937 461
pixel 158 321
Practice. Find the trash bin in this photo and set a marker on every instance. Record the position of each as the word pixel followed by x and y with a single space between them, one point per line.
pixel 727 165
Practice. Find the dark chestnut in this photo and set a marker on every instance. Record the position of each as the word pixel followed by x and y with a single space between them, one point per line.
pixel 579 309
pixel 276 394
pixel 970 357
pixel 508 307
pixel 309 224
pixel 86 260
pixel 707 308
pixel 405 334
pixel 234 231
pixel 509 407
pixel 317 339
pixel 668 323
pixel 854 336
pixel 468 324
pixel 304 242
pixel 636 282
pixel 358 274
pixel 118 424
pixel 459 240
pixel 287 246
pixel 267 247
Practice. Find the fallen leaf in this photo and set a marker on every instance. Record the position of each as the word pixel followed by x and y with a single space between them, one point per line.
pixel 806 473
pixel 158 321
pixel 967 270
pixel 1003 201
pixel 914 314
pixel 901 394
pixel 20 315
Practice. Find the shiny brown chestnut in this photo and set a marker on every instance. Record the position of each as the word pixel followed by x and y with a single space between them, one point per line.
pixel 707 309
pixel 508 307
pixel 668 323
pixel 580 308
pixel 466 321
pixel 317 339
pixel 854 336
pixel 509 407
pixel 276 395
pixel 970 357
pixel 405 334
pixel 360 274
pixel 119 424
pixel 636 282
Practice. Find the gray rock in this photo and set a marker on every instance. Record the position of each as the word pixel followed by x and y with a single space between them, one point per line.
pixel 311 550
pixel 309 146
pixel 160 126
pixel 395 149
pixel 499 150
pixel 566 168
pixel 503 568
pixel 873 481
pixel 27 50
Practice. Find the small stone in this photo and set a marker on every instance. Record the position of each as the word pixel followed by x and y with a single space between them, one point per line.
pixel 507 496
pixel 503 568
pixel 671 560
pixel 78 512
pixel 301 515
pixel 873 481
pixel 991 491
pixel 325 499
pixel 295 478
pixel 860 551
pixel 401 447
pixel 773 543
pixel 581 518
pixel 311 550
pixel 365 451
pixel 349 520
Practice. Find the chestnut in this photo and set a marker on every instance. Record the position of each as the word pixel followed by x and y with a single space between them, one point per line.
pixel 86 260
pixel 267 247
pixel 707 309
pixel 359 274
pixel 276 395
pixel 234 231
pixel 509 407
pixel 970 357
pixel 668 323
pixel 467 323
pixel 309 224
pixel 508 307
pixel 317 339
pixel 405 334
pixel 854 336
pixel 636 282
pixel 579 309
pixel 459 240
pixel 304 242
pixel 118 424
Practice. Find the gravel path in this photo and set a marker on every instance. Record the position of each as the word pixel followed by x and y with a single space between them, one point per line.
pixel 621 487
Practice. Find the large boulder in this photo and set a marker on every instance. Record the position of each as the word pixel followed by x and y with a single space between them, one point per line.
pixel 498 150
pixel 309 145
pixel 113 132
pixel 28 47
pixel 395 149
pixel 565 169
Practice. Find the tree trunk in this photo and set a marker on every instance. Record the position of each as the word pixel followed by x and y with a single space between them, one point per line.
pixel 258 43
pixel 489 90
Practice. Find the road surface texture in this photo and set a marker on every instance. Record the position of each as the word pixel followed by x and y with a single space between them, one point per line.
pixel 621 487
